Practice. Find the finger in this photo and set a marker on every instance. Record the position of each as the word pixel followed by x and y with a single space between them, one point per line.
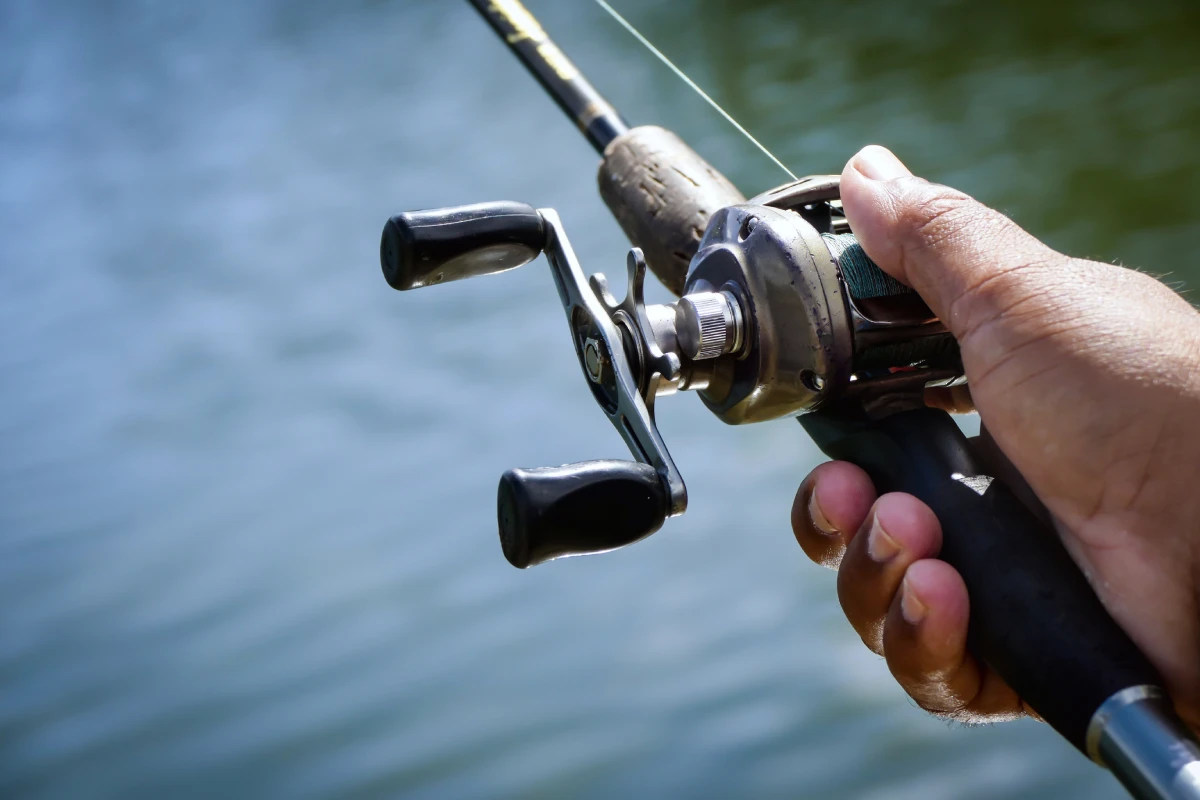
pixel 953 399
pixel 969 262
pixel 833 499
pixel 925 643
pixel 899 530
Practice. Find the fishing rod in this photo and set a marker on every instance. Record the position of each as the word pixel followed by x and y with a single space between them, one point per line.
pixel 781 313
pixel 597 119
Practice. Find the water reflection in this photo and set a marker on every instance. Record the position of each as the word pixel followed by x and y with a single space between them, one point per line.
pixel 246 534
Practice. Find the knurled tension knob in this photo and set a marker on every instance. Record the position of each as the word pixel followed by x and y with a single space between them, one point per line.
pixel 709 324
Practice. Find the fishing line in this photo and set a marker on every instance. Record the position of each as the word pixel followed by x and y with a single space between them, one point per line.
pixel 625 24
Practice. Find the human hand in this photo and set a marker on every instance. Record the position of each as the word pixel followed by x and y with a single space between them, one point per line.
pixel 1086 376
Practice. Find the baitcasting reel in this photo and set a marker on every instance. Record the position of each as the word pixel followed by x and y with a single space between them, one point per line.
pixel 781 313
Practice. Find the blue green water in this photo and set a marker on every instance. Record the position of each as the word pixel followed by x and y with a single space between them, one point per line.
pixel 247 536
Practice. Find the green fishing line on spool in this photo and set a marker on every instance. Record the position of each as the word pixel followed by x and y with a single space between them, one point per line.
pixel 867 281
pixel 858 270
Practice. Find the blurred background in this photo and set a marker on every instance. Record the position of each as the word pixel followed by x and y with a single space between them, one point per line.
pixel 247 515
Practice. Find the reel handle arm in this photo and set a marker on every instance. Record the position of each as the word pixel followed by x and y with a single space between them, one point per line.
pixel 423 248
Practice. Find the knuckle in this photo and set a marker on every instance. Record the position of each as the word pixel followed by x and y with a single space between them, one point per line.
pixel 945 695
pixel 823 551
pixel 934 214
pixel 1021 290
pixel 951 710
pixel 1007 316
pixel 934 693
pixel 969 715
pixel 855 597
pixel 987 298
pixel 964 715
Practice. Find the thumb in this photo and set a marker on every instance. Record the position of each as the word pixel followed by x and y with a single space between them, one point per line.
pixel 968 262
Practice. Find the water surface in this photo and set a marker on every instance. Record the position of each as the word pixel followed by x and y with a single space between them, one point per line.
pixel 247 537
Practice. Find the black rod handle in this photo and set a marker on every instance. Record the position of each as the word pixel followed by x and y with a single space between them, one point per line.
pixel 1034 617
pixel 423 248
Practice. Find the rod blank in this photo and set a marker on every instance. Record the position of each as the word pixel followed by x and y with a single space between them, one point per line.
pixel 578 99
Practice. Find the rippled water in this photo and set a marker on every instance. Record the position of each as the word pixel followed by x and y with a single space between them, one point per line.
pixel 247 543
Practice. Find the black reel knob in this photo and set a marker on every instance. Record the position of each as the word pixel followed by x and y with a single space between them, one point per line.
pixel 577 509
pixel 423 248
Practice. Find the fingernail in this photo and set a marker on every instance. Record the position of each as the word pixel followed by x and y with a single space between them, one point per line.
pixel 879 163
pixel 818 519
pixel 881 546
pixel 913 609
